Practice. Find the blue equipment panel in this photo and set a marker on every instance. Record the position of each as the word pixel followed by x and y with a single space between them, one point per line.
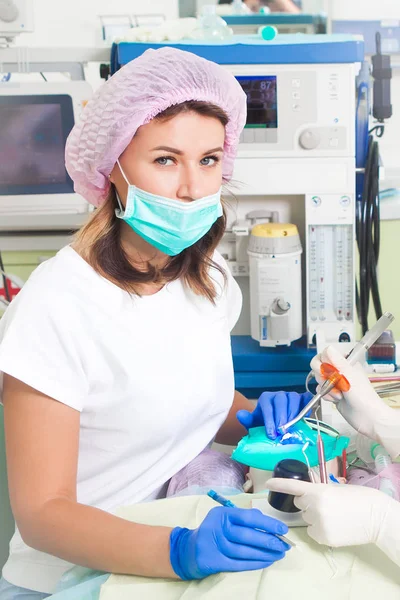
pixel 285 49
pixel 259 369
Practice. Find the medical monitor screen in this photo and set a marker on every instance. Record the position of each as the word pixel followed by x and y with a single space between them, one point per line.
pixel 261 92
pixel 33 132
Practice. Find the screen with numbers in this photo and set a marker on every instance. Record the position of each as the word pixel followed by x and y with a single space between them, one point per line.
pixel 262 110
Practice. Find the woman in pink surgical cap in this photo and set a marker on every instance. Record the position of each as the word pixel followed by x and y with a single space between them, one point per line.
pixel 116 359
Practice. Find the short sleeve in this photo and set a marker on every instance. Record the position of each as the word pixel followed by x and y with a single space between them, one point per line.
pixel 231 291
pixel 39 345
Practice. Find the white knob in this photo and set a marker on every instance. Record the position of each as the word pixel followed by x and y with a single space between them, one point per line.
pixel 280 306
pixel 8 11
pixel 309 139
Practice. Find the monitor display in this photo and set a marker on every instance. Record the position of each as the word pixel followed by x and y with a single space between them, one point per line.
pixel 262 109
pixel 33 132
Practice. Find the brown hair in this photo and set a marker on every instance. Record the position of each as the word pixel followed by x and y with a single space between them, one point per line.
pixel 99 240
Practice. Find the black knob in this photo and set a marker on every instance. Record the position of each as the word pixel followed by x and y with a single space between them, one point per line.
pixel 104 71
pixel 344 337
pixel 288 469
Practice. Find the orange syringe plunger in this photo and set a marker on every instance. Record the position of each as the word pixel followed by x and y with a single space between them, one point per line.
pixel 330 373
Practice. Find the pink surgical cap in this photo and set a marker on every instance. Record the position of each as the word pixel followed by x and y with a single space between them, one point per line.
pixel 132 97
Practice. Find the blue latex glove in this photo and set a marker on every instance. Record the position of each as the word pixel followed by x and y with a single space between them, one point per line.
pixel 273 410
pixel 227 540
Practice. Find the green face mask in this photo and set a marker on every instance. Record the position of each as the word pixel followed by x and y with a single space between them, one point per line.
pixel 258 451
pixel 169 225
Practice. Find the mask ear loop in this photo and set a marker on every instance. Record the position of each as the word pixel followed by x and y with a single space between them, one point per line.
pixel 122 172
pixel 120 212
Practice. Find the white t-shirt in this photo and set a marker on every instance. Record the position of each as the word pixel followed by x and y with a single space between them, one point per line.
pixel 152 378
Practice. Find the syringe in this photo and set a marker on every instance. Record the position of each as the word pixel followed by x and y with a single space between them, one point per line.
pixel 335 378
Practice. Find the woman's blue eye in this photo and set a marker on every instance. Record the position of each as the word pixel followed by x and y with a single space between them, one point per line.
pixel 206 161
pixel 163 160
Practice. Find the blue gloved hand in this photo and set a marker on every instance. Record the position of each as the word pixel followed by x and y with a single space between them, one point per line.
pixel 273 410
pixel 229 539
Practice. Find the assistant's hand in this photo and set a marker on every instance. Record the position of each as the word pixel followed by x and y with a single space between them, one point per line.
pixel 273 410
pixel 339 515
pixel 229 539
pixel 361 405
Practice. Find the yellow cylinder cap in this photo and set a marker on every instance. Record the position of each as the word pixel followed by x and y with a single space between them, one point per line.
pixel 274 230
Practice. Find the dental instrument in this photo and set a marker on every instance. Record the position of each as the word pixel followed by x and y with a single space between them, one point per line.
pixel 225 502
pixel 321 460
pixel 220 499
pixel 336 379
pixel 321 452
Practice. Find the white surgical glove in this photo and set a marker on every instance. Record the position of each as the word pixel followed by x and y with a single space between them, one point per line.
pixel 361 405
pixel 346 515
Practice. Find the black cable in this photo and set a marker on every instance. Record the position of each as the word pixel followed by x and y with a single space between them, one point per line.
pixel 5 283
pixel 379 130
pixel 358 236
pixel 375 217
pixel 368 238
pixel 368 213
pixel 44 77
